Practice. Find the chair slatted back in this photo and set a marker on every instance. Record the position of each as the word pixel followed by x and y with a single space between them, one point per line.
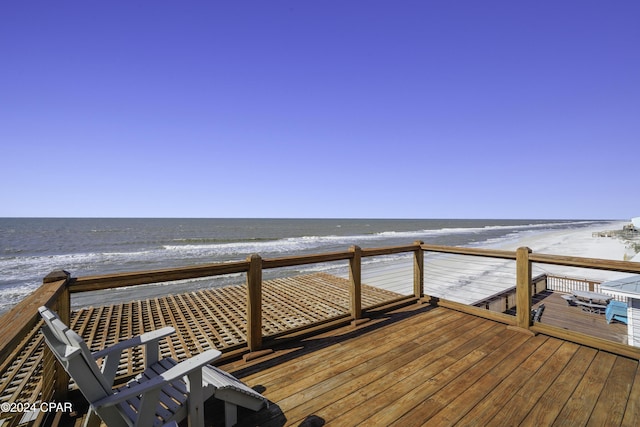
pixel 74 355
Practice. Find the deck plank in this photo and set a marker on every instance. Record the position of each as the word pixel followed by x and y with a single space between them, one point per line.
pixel 551 403
pixel 354 394
pixel 298 368
pixel 492 382
pixel 337 394
pixel 495 399
pixel 493 356
pixel 543 368
pixel 439 366
pixel 632 410
pixel 579 407
pixel 611 403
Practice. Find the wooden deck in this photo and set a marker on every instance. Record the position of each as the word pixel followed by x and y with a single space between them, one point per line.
pixel 416 365
pixel 438 367
pixel 558 313
pixel 212 318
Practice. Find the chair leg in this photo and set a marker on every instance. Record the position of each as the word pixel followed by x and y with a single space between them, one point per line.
pixel 195 405
pixel 230 414
pixel 92 419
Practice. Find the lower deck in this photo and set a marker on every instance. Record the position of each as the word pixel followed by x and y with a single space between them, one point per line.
pixel 558 312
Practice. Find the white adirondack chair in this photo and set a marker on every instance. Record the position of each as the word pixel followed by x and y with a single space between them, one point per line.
pixel 166 391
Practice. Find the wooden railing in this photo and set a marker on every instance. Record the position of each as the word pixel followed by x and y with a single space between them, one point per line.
pixel 568 284
pixel 21 344
pixel 20 324
pixel 506 299
pixel 590 263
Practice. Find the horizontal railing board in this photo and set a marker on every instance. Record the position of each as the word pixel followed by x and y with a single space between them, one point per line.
pixel 369 252
pixel 305 259
pixel 492 253
pixel 596 263
pixel 478 311
pixel 110 281
pixel 24 316
pixel 588 340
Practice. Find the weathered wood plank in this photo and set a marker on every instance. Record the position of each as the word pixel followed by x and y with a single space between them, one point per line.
pixel 632 410
pixel 611 404
pixel 493 354
pixel 511 382
pixel 111 281
pixel 543 368
pixel 365 343
pixel 549 405
pixel 596 263
pixel 385 408
pixel 579 406
pixel 491 383
pixel 344 380
pixel 356 392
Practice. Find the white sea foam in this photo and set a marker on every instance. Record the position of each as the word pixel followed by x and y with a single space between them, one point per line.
pixel 306 243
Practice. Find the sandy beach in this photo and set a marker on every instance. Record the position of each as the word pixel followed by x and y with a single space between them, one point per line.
pixel 468 279
pixel 579 242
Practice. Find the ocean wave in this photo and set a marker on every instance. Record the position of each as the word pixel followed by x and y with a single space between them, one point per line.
pixel 199 247
pixel 11 294
pixel 472 230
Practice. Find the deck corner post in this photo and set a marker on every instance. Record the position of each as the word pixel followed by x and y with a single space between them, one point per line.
pixel 418 270
pixel 62 302
pixel 254 303
pixel 62 306
pixel 355 278
pixel 523 287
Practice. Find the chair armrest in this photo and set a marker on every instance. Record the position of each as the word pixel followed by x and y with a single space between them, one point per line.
pixel 178 371
pixel 143 339
pixel 112 354
pixel 191 364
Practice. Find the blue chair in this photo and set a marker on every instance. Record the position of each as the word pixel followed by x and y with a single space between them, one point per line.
pixel 616 310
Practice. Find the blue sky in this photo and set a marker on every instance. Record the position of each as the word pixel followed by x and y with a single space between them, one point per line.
pixel 404 109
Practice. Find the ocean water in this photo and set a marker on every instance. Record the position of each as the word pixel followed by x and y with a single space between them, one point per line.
pixel 30 248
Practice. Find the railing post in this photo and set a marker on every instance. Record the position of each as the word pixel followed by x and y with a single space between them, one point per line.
pixel 254 303
pixel 523 288
pixel 355 277
pixel 418 270
pixel 62 306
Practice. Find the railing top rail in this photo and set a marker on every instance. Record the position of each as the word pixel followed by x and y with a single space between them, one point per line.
pixel 291 261
pixel 24 316
pixel 108 281
pixel 390 250
pixel 493 253
pixel 596 263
